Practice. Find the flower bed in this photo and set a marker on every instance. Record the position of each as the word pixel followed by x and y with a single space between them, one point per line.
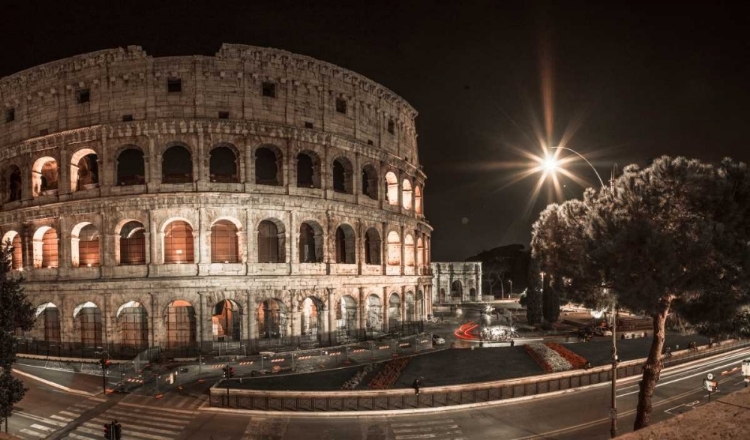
pixel 575 360
pixel 547 358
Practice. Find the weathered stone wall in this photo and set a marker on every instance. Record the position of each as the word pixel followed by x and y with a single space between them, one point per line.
pixel 50 125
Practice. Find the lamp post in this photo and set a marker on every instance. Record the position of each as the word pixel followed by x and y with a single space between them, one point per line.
pixel 550 164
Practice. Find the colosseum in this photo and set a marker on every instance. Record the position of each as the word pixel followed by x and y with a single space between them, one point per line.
pixel 249 200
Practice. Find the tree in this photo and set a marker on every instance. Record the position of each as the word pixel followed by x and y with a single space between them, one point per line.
pixel 533 296
pixel 670 237
pixel 16 312
pixel 550 301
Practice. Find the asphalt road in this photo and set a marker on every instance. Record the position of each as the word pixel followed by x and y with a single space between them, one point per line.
pixel 48 413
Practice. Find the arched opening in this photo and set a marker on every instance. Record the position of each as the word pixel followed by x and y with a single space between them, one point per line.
pixel 420 252
pixel 346 318
pixel 345 246
pixel 457 291
pixel 44 176
pixel 409 250
pixel 310 243
pixel 88 323
pixel 391 188
pixel 16 257
pixel 15 184
pixel 394 249
pixel 268 166
pixel 409 307
pixel 223 166
pixel 179 318
pixel 132 323
pixel 441 296
pixel 270 243
pixel 370 182
pixel 45 248
pixel 131 168
pixel 177 165
pixel 420 306
pixel 271 322
pixel 374 321
pixel 178 243
pixel 418 199
pixel 310 320
pixel 342 175
pixel 84 170
pixel 372 246
pixel 85 245
pixel 132 243
pixel 308 170
pixel 47 324
pixel 406 194
pixel 224 242
pixel 472 294
pixel 227 321
pixel 394 312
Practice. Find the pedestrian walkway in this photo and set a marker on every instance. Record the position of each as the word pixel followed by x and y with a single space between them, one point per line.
pixel 142 417
pixel 439 429
pixel 46 426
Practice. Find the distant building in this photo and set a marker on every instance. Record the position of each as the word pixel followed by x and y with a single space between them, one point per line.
pixel 456 282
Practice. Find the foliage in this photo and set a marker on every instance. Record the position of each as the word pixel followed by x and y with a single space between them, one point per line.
pixel 522 298
pixel 547 358
pixel 550 303
pixel 672 237
pixel 16 312
pixel 533 296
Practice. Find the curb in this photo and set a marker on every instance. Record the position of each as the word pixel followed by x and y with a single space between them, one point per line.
pixel 53 384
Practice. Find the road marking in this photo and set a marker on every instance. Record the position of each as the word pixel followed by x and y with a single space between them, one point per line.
pixel 64 419
pixel 79 437
pixel 424 429
pixel 176 411
pixel 418 436
pixel 429 422
pixel 34 433
pixel 68 413
pixel 131 433
pixel 42 427
pixel 702 373
pixel 39 418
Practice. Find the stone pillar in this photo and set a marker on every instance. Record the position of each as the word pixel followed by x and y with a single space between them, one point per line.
pixel 252 322
pixel 403 306
pixel 155 334
pixel 386 324
pixel 478 280
pixel 331 308
pixel 296 319
pixel 362 313
pixel 403 249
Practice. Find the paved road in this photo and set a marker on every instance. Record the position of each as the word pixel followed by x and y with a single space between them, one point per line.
pixel 48 413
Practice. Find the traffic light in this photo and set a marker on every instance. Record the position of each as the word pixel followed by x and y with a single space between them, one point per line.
pixel 108 431
pixel 226 371
pixel 118 430
pixel 105 363
pixel 231 372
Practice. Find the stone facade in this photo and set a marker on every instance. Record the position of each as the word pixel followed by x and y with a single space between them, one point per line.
pixel 257 197
pixel 456 282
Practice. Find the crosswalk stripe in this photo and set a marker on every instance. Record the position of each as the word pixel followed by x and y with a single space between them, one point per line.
pixel 428 422
pixel 176 411
pixel 71 414
pixel 137 425
pixel 97 399
pixel 141 419
pixel 131 433
pixel 34 433
pixel 431 435
pixel 42 427
pixel 155 413
pixel 78 437
pixel 64 419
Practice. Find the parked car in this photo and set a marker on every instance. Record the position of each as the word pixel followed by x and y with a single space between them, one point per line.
pixel 437 339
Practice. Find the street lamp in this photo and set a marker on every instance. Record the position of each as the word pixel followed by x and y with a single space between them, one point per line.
pixel 550 165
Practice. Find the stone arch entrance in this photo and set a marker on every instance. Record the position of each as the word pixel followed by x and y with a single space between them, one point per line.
pixel 180 322
pixel 346 319
pixel 47 325
pixel 420 306
pixel 87 324
pixel 227 321
pixel 457 291
pixel 272 320
pixel 132 326
pixel 311 325
pixel 472 294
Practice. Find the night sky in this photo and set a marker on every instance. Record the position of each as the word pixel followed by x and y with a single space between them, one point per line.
pixel 631 80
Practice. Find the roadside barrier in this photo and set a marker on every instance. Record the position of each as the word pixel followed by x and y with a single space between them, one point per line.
pixel 432 397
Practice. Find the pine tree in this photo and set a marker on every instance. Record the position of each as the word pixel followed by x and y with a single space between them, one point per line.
pixel 16 312
pixel 668 238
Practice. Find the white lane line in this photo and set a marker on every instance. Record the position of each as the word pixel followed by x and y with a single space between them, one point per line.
pixel 71 414
pixel 425 428
pixel 64 419
pixel 428 422
pixel 418 436
pixel 702 373
pixel 42 428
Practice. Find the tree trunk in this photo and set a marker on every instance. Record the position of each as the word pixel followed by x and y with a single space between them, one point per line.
pixel 652 368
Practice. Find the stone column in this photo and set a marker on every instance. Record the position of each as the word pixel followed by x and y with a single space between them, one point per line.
pixel 403 306
pixel 403 248
pixel 296 317
pixel 331 308
pixel 478 280
pixel 252 322
pixel 386 324
pixel 362 313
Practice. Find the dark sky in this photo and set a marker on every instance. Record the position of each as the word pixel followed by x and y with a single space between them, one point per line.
pixel 637 80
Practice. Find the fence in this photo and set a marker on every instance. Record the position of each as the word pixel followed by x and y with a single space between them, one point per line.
pixel 432 397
